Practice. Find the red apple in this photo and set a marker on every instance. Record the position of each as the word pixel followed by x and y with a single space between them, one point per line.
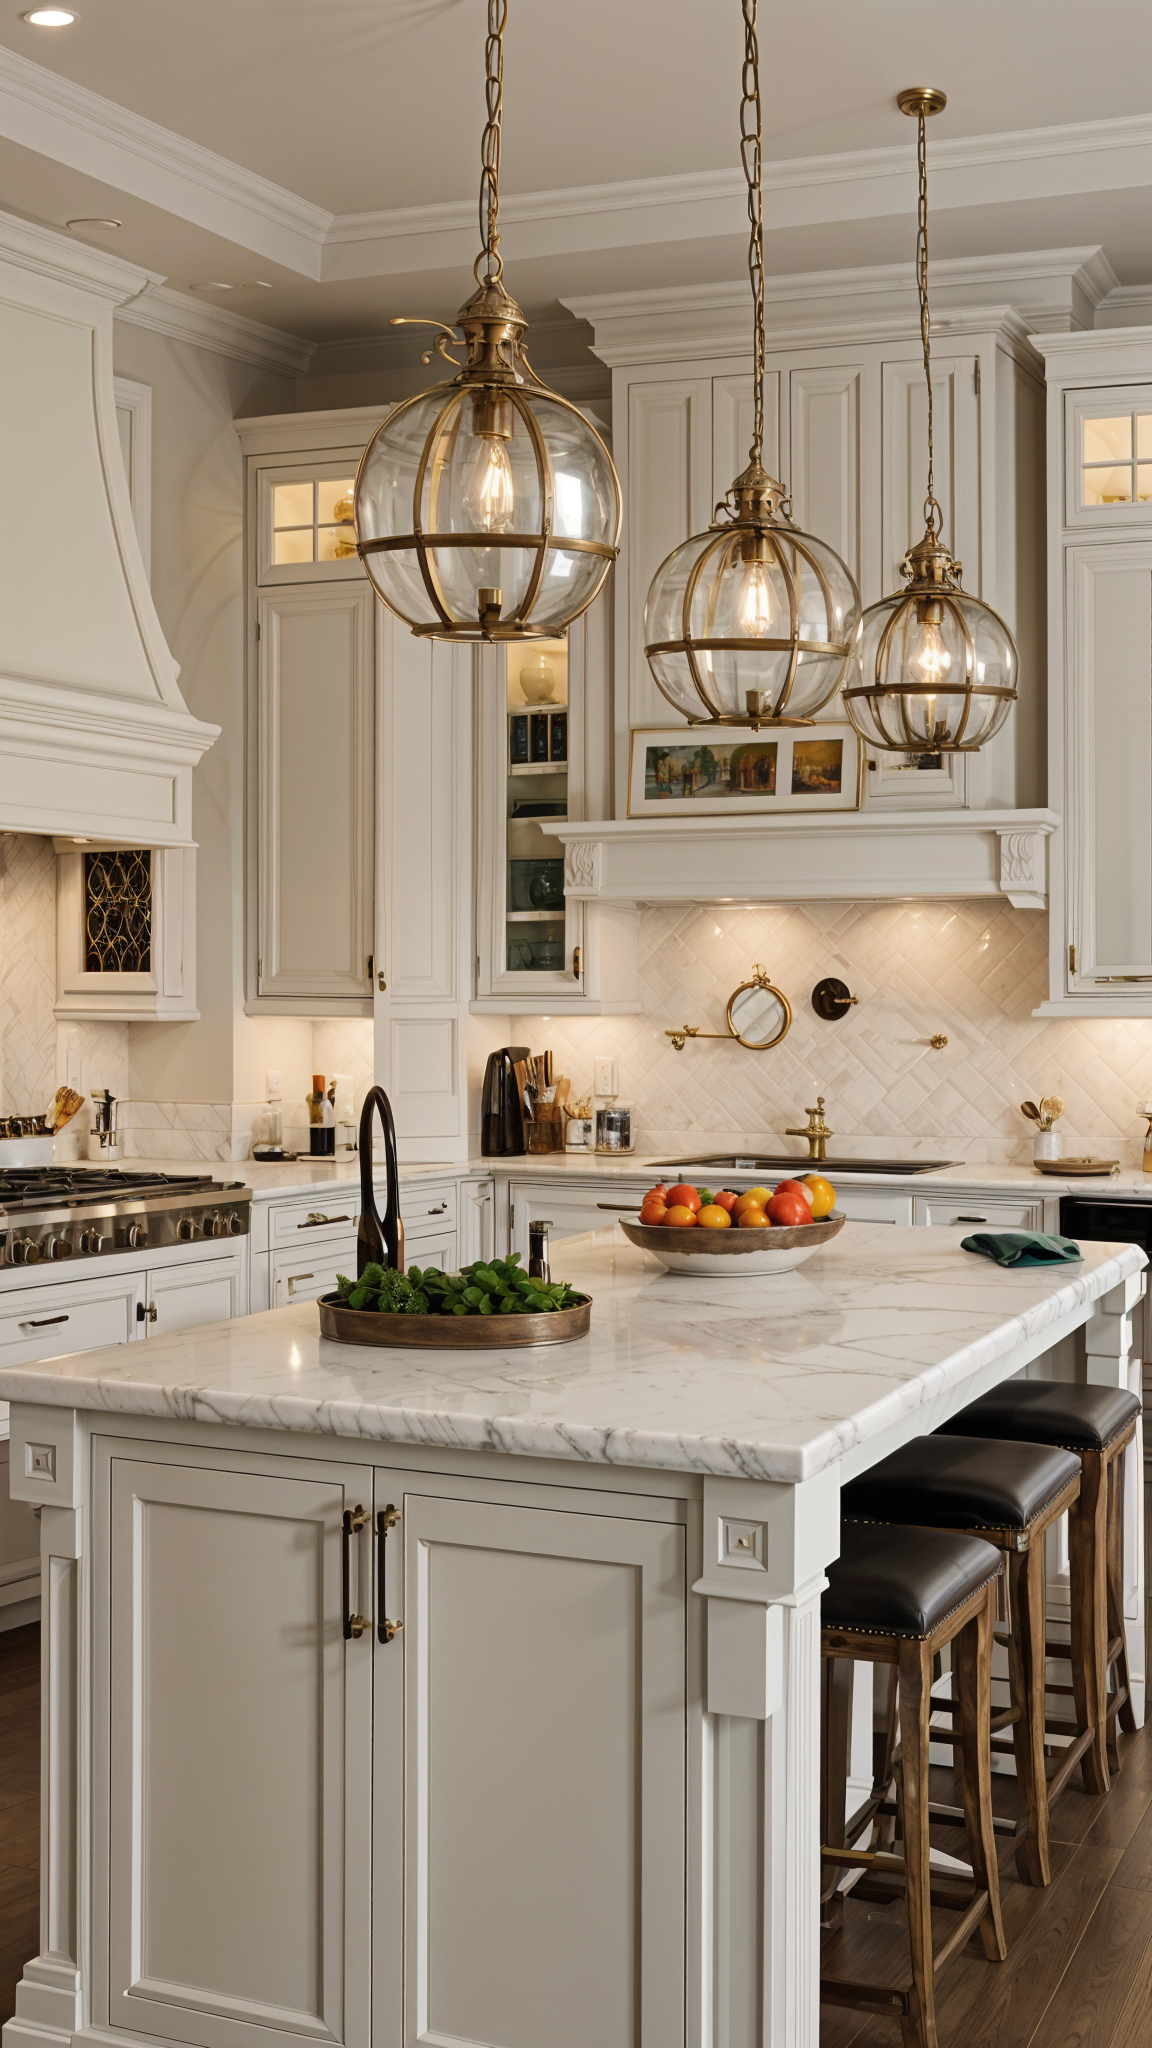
pixel 797 1187
pixel 788 1209
pixel 725 1199
pixel 682 1196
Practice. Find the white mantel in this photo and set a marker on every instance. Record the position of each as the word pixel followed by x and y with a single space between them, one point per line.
pixel 858 855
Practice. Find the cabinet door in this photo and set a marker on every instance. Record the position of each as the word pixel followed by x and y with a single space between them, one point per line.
pixel 239 1759
pixel 1108 751
pixel 184 1297
pixel 832 459
pixel 477 1225
pixel 668 497
pixel 956 444
pixel 314 817
pixel 733 419
pixel 545 1737
pixel 432 1248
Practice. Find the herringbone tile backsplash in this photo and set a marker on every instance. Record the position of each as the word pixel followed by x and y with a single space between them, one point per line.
pixel 971 971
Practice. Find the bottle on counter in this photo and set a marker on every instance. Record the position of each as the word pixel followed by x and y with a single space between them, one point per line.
pixel 321 1121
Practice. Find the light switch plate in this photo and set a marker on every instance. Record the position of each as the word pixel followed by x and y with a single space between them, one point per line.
pixel 345 1098
pixel 607 1081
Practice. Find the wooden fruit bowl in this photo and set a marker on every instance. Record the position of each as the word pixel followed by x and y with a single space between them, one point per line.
pixel 740 1254
pixel 346 1325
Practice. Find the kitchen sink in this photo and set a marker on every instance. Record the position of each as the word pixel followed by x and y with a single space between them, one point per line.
pixel 769 1162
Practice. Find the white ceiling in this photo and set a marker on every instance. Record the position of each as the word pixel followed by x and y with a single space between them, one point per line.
pixel 374 107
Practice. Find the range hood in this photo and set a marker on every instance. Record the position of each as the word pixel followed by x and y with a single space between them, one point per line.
pixel 95 737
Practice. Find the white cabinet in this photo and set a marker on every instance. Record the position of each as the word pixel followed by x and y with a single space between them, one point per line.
pixel 238 1750
pixel 569 1207
pixel 993 1212
pixel 1100 672
pixel 19 1553
pixel 305 1276
pixel 184 1297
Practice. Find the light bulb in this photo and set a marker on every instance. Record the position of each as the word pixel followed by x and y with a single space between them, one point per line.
pixel 931 660
pixel 756 603
pixel 489 493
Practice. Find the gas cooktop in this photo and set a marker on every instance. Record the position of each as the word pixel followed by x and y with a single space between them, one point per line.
pixel 50 1213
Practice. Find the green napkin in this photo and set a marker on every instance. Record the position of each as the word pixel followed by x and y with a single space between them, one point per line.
pixel 1022 1247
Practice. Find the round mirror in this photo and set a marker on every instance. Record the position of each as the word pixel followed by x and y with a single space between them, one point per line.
pixel 758 1015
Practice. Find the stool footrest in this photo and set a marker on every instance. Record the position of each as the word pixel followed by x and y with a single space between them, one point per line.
pixel 953 1817
pixel 1068 1763
pixel 962 1930
pixel 865 1997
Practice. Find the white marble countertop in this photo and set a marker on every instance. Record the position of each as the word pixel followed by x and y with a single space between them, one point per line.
pixel 771 1378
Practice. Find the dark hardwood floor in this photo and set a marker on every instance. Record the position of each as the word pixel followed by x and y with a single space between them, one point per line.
pixel 19 1807
pixel 1079 1968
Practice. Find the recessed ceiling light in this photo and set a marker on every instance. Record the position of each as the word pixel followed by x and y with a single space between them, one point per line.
pixel 50 17
pixel 212 286
pixel 93 220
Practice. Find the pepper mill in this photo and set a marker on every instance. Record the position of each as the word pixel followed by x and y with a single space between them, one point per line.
pixel 538 1252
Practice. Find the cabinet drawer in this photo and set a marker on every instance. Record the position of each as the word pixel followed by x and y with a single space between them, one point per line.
pixel 42 1322
pixel 432 1248
pixel 873 1205
pixel 426 1208
pixel 972 1209
pixel 324 1216
pixel 305 1275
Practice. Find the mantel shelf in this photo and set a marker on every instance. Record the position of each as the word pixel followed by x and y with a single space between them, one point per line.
pixel 807 855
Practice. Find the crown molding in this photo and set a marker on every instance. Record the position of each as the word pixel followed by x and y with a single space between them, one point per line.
pixel 1044 288
pixel 91 134
pixel 32 245
pixel 1111 355
pixel 1128 305
pixel 217 328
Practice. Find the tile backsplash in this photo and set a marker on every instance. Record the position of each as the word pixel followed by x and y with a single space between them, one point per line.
pixel 35 1049
pixel 973 972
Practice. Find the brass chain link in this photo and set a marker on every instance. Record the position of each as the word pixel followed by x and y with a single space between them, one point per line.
pixel 490 256
pixel 750 139
pixel 933 516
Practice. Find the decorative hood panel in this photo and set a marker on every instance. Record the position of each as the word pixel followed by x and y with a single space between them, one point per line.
pixel 95 737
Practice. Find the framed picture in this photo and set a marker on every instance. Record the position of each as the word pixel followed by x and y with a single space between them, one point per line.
pixel 719 771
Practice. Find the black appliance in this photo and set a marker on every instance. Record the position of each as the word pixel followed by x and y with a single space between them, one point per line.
pixel 1098 1217
pixel 501 1110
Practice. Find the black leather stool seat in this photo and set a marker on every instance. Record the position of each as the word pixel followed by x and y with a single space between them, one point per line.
pixel 961 1482
pixel 888 1582
pixel 1046 1412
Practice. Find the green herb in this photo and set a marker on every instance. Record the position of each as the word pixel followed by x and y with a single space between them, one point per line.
pixel 490 1287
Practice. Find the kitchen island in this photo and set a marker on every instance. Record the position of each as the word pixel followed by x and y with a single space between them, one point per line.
pixel 457 1698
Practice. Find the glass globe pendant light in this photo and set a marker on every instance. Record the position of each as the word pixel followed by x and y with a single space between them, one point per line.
pixel 937 668
pixel 487 508
pixel 753 622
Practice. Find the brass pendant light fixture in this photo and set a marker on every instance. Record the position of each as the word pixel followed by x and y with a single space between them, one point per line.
pixel 753 622
pixel 937 667
pixel 487 508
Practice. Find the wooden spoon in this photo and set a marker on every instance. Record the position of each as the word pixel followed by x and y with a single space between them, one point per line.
pixel 1030 1110
pixel 1052 1107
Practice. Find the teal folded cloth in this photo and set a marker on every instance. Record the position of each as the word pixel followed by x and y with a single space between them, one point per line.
pixel 1022 1247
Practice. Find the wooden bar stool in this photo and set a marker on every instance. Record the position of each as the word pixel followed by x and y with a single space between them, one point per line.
pixel 895 1602
pixel 1009 1494
pixel 1098 1424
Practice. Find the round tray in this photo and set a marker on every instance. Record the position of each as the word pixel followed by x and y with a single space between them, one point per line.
pixel 1085 1168
pixel 739 1254
pixel 451 1333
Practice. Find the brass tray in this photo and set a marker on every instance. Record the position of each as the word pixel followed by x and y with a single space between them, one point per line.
pixel 734 1253
pixel 1100 1167
pixel 450 1333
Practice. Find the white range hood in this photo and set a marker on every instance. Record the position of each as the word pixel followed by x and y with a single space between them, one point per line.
pixel 95 738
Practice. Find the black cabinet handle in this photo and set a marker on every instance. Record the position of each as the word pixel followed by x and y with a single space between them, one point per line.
pixel 42 1322
pixel 386 1519
pixel 970 1219
pixel 354 1520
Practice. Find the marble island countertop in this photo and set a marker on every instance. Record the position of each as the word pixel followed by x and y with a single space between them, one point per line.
pixel 770 1378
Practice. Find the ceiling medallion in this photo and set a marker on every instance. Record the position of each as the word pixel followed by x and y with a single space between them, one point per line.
pixel 753 622
pixel 488 508
pixel 937 668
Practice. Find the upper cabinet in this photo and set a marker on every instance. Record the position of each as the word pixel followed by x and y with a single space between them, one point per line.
pixel 1100 673
pixel 846 429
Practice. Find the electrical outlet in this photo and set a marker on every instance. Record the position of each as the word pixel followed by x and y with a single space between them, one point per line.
pixel 275 1081
pixel 607 1082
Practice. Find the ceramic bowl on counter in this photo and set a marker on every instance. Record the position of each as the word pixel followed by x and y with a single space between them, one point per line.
pixel 735 1253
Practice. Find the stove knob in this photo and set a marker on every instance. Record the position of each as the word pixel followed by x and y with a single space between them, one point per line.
pixel 185 1230
pixel 91 1241
pixel 219 1226
pixel 25 1252
pixel 236 1225
pixel 58 1248
pixel 137 1236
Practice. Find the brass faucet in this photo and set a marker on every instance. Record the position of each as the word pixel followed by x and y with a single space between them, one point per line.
pixel 815 1130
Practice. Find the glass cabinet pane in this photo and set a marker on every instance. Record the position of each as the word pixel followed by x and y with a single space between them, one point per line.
pixel 536 783
pixel 312 520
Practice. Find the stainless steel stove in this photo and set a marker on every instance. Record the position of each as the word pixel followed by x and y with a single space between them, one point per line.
pixel 49 1213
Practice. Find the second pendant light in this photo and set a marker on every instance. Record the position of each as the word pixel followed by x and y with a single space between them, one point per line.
pixel 753 622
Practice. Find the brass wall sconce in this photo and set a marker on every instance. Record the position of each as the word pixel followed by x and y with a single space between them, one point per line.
pixel 938 1041
pixel 831 1000
pixel 758 1016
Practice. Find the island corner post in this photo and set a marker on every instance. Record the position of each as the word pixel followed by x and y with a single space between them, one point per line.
pixel 730 1568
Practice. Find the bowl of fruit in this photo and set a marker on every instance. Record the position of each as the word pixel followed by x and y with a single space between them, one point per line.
pixel 762 1230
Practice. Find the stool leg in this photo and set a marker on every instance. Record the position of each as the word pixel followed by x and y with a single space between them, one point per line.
pixel 1026 1593
pixel 972 1661
pixel 915 1668
pixel 1126 1717
pixel 836 1718
pixel 1087 1563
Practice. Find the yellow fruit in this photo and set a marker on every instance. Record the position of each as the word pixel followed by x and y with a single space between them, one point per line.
pixel 752 1219
pixel 823 1195
pixel 712 1217
pixel 753 1198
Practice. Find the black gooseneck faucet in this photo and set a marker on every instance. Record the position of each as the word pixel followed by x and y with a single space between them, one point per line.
pixel 379 1242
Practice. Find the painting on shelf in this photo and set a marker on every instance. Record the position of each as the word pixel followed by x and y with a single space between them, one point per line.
pixel 718 771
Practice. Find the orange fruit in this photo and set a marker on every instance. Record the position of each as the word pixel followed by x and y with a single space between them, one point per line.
pixel 796 1187
pixel 653 1212
pixel 713 1217
pixel 753 1198
pixel 752 1218
pixel 823 1195
pixel 682 1196
pixel 679 1216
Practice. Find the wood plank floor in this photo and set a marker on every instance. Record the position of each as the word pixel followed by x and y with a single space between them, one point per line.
pixel 1079 1968
pixel 19 1807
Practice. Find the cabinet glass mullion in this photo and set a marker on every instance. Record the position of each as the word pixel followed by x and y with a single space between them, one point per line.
pixel 535 785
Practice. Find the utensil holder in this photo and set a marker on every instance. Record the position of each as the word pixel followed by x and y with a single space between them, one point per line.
pixel 1048 1145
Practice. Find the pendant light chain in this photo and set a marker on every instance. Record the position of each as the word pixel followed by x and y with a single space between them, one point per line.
pixel 490 255
pixel 750 136
pixel 933 516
